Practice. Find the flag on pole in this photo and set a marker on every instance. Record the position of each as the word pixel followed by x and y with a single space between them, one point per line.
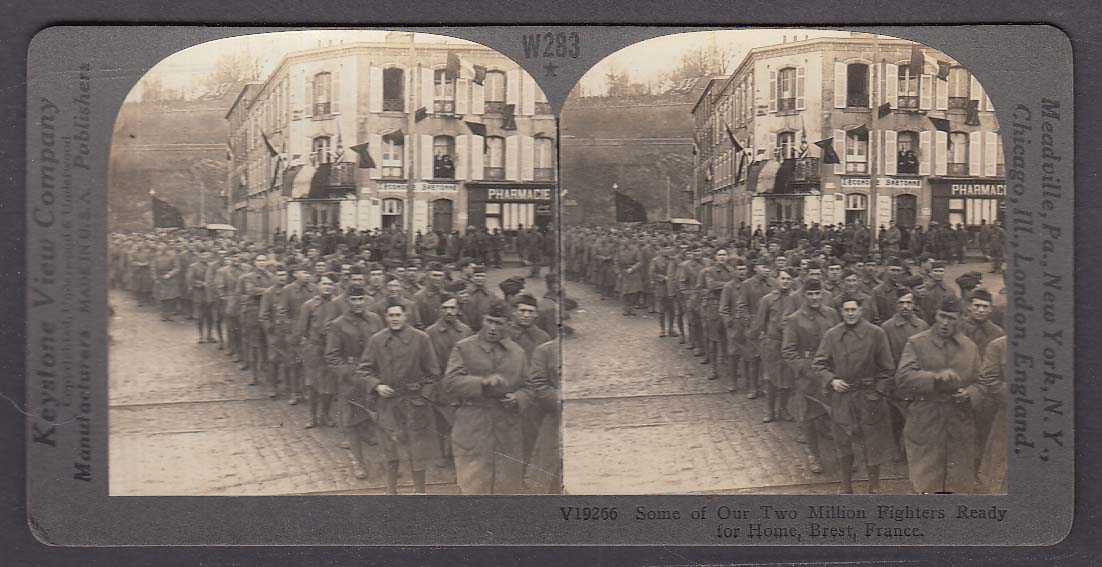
pixel 268 143
pixel 884 110
pixel 459 68
pixel 166 216
pixel 827 146
pixel 734 141
pixel 943 70
pixel 476 128
pixel 365 156
pixel 940 124
pixel 861 130
pixel 509 114
pixel 421 114
pixel 973 117
pixel 918 60
pixel 628 209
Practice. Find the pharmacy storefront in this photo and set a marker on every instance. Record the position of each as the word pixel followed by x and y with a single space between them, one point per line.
pixel 968 202
pixel 509 207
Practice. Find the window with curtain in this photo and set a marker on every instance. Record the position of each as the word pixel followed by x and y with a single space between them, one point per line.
pixel 494 160
pixel 323 93
pixel 857 151
pixel 908 87
pixel 786 89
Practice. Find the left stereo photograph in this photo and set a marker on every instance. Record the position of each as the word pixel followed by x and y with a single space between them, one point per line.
pixel 331 266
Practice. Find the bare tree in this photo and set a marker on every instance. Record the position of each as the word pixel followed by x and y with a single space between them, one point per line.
pixel 232 67
pixel 702 61
pixel 618 82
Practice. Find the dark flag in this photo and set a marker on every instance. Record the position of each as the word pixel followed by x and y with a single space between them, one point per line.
pixel 918 60
pixel 734 141
pixel 827 146
pixel 859 131
pixel 695 152
pixel 166 216
pixel 628 209
pixel 365 156
pixel 479 75
pixel 476 128
pixel 973 118
pixel 884 110
pixel 458 68
pixel 451 71
pixel 741 165
pixel 509 114
pixel 271 149
pixel 421 114
pixel 943 70
pixel 940 124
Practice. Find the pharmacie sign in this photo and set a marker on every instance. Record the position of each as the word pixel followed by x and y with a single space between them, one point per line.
pixel 518 194
pixel 977 189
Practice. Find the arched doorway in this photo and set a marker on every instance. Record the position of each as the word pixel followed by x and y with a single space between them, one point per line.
pixel 906 209
pixel 442 215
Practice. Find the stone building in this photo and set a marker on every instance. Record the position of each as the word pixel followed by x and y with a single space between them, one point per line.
pixel 916 143
pixel 477 145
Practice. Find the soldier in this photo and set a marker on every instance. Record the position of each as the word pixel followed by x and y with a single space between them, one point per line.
pixel 541 395
pixel 629 268
pixel 663 271
pixel 309 333
pixel 484 372
pixel 766 329
pixel 688 275
pixel 739 354
pixel 428 299
pixel 166 288
pixel 854 364
pixel 803 333
pixel 992 472
pixel 938 371
pixel 225 285
pixel 394 291
pixel 443 334
pixel 480 298
pixel 345 340
pixel 711 283
pixel 397 363
pixel 750 294
pixel 197 288
pixel 851 286
pixel 295 295
pixel 522 331
pixel 551 313
pixel 250 287
pixel 977 327
pixel 998 247
pixel 899 329
pixel 276 325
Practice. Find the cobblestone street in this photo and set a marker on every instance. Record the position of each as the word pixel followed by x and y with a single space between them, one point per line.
pixel 642 417
pixel 184 422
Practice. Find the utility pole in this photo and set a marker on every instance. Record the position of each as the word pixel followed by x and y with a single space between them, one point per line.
pixel 669 213
pixel 411 122
pixel 874 193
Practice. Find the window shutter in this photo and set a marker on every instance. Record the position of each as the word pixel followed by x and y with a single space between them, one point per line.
pixel 942 95
pixel 478 99
pixel 527 158
pixel 426 156
pixel 335 93
pixel 773 91
pixel 987 103
pixel 941 152
pixel 840 149
pixel 868 83
pixel 375 148
pixel 891 84
pixel 407 156
pixel 462 156
pixel 428 96
pixel 772 145
pixel 462 96
pixel 883 209
pixel 926 92
pixel 975 153
pixel 308 92
pixel 839 84
pixel 512 157
pixel 811 209
pixel 528 94
pixel 976 91
pixel 991 154
pixel 801 88
pixel 925 152
pixel 478 149
pixel 512 87
pixel 375 89
pixel 891 154
pixel 420 215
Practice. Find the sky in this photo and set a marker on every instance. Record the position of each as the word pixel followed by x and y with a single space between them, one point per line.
pixel 189 67
pixel 648 60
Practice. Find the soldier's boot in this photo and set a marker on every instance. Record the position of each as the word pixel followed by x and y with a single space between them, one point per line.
pixel 733 369
pixel 392 478
pixel 312 404
pixel 753 378
pixel 807 428
pixel 218 330
pixel 199 324
pixel 845 472
pixel 782 404
pixel 874 479
pixel 662 325
pixel 324 417
pixel 419 482
pixel 359 470
pixel 771 402
pixel 274 371
pixel 709 351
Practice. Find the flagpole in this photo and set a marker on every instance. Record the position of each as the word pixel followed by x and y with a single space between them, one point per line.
pixel 874 193
pixel 669 214
pixel 410 122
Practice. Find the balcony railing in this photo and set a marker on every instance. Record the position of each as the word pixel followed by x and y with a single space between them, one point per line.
pixel 857 167
pixel 545 174
pixel 857 100
pixel 342 175
pixel 494 173
pixel 908 102
pixel 443 107
pixel 786 104
pixel 806 171
pixel 957 169
pixel 958 103
pixel 394 105
pixel 494 107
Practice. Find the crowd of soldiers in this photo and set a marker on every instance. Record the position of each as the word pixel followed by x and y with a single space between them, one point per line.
pixel 417 355
pixel 853 343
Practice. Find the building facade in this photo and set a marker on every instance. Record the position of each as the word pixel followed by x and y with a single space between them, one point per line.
pixel 476 154
pixel 912 147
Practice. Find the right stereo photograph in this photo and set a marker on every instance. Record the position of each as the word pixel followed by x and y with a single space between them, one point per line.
pixel 784 253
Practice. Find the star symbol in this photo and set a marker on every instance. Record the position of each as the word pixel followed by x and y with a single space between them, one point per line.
pixel 549 70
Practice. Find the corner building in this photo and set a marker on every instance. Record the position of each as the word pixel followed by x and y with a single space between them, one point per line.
pixel 318 104
pixel 783 98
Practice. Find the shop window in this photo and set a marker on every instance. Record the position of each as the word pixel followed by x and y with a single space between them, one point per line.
pixel 392 213
pixel 494 159
pixel 494 88
pixel 786 89
pixel 493 216
pixel 544 159
pixel 444 93
pixel 323 93
pixel 907 153
pixel 857 205
pixel 908 87
pixel 394 88
pixel 958 153
pixel 393 157
pixel 959 82
pixel 857 151
pixel 442 215
pixel 857 85
pixel 321 153
pixel 443 157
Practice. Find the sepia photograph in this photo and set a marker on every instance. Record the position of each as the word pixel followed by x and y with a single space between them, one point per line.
pixel 787 251
pixel 333 270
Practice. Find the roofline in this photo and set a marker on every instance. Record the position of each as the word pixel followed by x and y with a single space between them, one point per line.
pixel 240 94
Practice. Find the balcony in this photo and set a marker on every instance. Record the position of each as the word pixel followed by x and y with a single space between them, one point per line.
pixel 958 103
pixel 493 173
pixel 786 105
pixel 544 174
pixel 443 107
pixel 342 175
pixel 957 169
pixel 806 170
pixel 394 105
pixel 908 102
pixel 494 107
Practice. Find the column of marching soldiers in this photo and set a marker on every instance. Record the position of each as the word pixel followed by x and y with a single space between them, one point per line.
pixel 873 349
pixel 416 356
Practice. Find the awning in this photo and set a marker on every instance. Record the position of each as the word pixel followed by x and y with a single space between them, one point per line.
pixel 289 175
pixel 301 181
pixel 685 221
pixel 221 227
pixel 771 177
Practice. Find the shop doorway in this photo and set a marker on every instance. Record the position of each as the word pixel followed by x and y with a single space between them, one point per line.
pixel 906 210
pixel 442 215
